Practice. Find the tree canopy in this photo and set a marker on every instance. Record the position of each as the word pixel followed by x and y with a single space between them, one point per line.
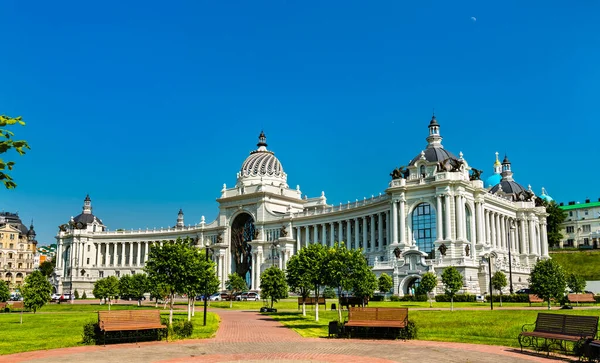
pixel 47 267
pixel 36 291
pixel 385 283
pixel 313 262
pixel 453 282
pixel 4 291
pixel 7 144
pixel 576 283
pixel 273 285
pixel 297 280
pixel 547 280
pixel 106 288
pixel 235 284
pixel 556 217
pixel 427 284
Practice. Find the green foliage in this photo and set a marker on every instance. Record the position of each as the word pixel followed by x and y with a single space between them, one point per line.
pixel 556 216
pixel 183 329
pixel 313 262
pixel 499 281
pixel 427 284
pixel 125 284
pixel 36 291
pixel 76 294
pixel 364 282
pixel 581 263
pixel 452 280
pixel 385 283
pixel 410 331
pixel 576 283
pixel 235 284
pixel 329 293
pixel 547 280
pixel 7 144
pixel 395 298
pixel 84 296
pixel 455 298
pixel 47 267
pixel 106 288
pixel 91 333
pixel 139 286
pixel 4 291
pixel 273 285
pixel 297 280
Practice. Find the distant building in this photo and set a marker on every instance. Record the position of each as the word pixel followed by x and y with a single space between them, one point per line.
pixel 17 249
pixel 581 229
pixel 435 212
pixel 46 252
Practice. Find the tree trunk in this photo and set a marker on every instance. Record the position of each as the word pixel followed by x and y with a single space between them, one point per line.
pixel 452 303
pixel 548 303
pixel 194 306
pixel 316 303
pixel 109 304
pixel 303 308
pixel 339 307
pixel 272 302
pixel 231 301
pixel 500 299
pixel 189 308
pixel 172 297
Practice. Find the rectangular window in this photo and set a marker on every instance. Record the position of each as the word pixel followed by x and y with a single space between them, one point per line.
pixel 569 243
pixel 587 228
pixel 100 274
pixel 586 241
pixel 89 248
pixel 88 261
pixel 12 236
pixel 586 213
pixel 570 229
pixel 570 213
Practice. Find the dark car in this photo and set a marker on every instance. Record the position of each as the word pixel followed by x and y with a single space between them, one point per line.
pixel 524 291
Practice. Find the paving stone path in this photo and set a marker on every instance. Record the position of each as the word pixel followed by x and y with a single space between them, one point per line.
pixel 250 337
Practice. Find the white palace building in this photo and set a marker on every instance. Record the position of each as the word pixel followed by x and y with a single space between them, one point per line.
pixel 435 213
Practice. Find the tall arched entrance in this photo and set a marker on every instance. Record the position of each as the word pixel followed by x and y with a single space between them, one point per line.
pixel 242 232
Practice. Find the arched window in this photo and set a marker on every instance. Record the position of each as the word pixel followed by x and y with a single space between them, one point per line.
pixel 468 217
pixel 424 228
pixel 422 170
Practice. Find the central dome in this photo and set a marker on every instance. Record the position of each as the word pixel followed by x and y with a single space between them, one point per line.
pixel 262 162
pixel 434 152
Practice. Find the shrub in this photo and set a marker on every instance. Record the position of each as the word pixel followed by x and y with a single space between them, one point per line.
pixel 378 298
pixel 76 294
pixel 522 298
pixel 84 296
pixel 394 298
pixel 183 329
pixel 91 333
pixel 6 309
pixel 409 332
pixel 329 293
pixel 457 298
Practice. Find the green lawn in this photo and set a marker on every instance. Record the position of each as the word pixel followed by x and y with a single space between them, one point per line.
pixel 58 326
pixel 498 327
pixel 582 263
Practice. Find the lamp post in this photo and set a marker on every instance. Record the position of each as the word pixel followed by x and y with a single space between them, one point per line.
pixel 489 257
pixel 510 232
pixel 274 245
pixel 206 282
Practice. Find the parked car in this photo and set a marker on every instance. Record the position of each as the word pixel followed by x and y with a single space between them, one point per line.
pixel 252 296
pixel 215 297
pixel 242 296
pixel 480 298
pixel 54 297
pixel 524 291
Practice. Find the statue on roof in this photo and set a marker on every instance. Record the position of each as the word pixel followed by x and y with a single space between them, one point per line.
pixel 450 164
pixel 398 173
pixel 475 174
pixel 283 232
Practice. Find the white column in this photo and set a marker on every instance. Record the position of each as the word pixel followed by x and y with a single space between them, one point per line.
pixel 493 229
pixel 439 219
pixel 59 259
pixel 447 215
pixel 394 221
pixel 331 234
pixel 315 233
pixel 524 245
pixel 544 238
pixel 364 233
pixel 298 239
pixel 503 244
pixel 460 209
pixel 130 258
pixel 486 215
pixel 532 238
pixel 372 239
pixel 388 225
pixel 341 233
pixel 306 235
pixel 356 234
pixel 253 275
pixel 379 231
pixel 349 233
pixel 323 234
pixel 96 245
pixel 139 251
pixel 403 222
pixel 478 223
pixel 146 250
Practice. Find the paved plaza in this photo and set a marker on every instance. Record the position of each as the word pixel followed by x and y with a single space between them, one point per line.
pixel 247 336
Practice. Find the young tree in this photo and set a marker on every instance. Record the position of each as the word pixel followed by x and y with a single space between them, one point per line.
pixel 99 290
pixel 556 217
pixel 235 284
pixel 427 284
pixel 273 285
pixel 201 277
pixel 547 280
pixel 498 283
pixel 36 291
pixel 167 266
pixel 453 282
pixel 139 286
pixel 8 143
pixel 125 286
pixel 47 267
pixel 313 263
pixel 297 280
pixel 385 283
pixel 576 283
pixel 364 282
pixel 4 291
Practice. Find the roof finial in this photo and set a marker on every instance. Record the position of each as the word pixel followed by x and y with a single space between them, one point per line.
pixel 262 141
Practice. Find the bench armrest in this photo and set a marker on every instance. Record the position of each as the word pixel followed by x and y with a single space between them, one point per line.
pixel 523 328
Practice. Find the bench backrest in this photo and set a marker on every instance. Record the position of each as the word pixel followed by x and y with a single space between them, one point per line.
pixel 122 316
pixel 311 300
pixel 549 323
pixel 581 298
pixel 535 298
pixel 577 325
pixel 378 314
pixel 17 305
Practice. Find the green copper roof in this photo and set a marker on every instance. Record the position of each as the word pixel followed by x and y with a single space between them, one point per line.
pixel 580 206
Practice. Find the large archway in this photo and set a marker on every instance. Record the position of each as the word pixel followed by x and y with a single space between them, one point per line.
pixel 242 232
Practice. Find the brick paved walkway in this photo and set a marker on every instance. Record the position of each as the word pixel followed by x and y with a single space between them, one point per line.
pixel 252 338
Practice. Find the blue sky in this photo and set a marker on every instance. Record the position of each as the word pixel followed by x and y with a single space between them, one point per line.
pixel 151 106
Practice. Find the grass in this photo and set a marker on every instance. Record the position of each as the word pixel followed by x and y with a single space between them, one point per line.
pixel 582 263
pixel 498 327
pixel 60 326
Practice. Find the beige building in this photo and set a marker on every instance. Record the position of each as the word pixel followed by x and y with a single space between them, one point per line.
pixel 17 249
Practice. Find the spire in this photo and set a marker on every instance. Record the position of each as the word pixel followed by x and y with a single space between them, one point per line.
pixel 262 142
pixel 180 218
pixel 497 165
pixel 434 139
pixel 506 172
pixel 87 205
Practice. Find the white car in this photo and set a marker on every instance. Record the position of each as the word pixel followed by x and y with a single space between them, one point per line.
pixel 252 296
pixel 55 297
pixel 215 297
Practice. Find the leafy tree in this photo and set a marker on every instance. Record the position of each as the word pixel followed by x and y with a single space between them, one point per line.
pixel 556 217
pixel 201 276
pixel 427 284
pixel 8 143
pixel 106 288
pixel 576 283
pixel 329 293
pixel 235 284
pixel 499 282
pixel 76 294
pixel 47 267
pixel 167 265
pixel 298 282
pixel 453 282
pixel 125 286
pixel 313 262
pixel 138 287
pixel 4 291
pixel 364 282
pixel 547 280
pixel 84 296
pixel 385 283
pixel 36 291
pixel 273 285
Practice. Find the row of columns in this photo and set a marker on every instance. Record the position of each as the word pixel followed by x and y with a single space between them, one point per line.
pixel 367 231
pixel 118 255
pixel 523 239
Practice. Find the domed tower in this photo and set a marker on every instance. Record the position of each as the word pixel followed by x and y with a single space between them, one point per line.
pixel 545 196
pixel 86 218
pixel 495 178
pixel 507 184
pixel 434 152
pixel 262 167
pixel 31 233
pixel 180 218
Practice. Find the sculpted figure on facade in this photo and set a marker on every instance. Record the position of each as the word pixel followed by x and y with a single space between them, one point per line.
pixel 283 232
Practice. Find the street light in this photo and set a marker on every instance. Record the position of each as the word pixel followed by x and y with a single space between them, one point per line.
pixel 489 257
pixel 274 245
pixel 510 231
pixel 206 282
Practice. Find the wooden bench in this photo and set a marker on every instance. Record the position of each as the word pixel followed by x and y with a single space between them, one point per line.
pixel 535 299
pixel 388 318
pixel 352 301
pixel 17 305
pixel 582 298
pixel 555 330
pixel 129 320
pixel 311 300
